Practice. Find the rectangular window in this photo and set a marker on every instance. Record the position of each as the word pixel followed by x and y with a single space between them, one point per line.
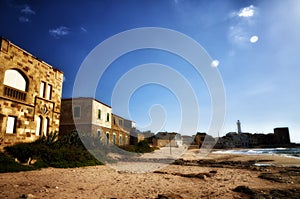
pixel 121 140
pixel 77 112
pixel 114 138
pixel 11 125
pixel 99 134
pixel 49 92
pixel 120 123
pixel 42 89
pixel 107 117
pixel 99 114
pixel 126 140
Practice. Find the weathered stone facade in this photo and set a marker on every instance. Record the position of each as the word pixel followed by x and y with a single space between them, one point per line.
pixel 30 96
pixel 92 117
pixel 119 134
pixel 85 115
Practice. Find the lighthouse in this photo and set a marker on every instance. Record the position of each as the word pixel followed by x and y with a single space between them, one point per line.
pixel 238 123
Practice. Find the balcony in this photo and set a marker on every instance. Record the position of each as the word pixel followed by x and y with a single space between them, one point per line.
pixel 14 93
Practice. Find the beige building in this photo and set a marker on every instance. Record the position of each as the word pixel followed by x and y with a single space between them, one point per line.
pixel 90 116
pixel 30 95
pixel 165 139
pixel 120 135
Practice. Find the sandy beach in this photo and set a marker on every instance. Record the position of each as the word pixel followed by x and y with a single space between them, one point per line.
pixel 214 176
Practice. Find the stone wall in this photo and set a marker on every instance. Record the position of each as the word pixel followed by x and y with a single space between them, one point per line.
pixel 27 105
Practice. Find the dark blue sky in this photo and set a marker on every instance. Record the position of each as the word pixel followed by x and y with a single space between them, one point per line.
pixel 255 42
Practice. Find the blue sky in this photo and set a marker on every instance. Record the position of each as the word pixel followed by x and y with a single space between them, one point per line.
pixel 255 42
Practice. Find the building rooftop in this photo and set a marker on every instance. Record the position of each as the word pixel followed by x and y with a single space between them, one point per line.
pixel 29 54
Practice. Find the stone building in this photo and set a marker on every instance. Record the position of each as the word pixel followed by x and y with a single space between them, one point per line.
pixel 90 116
pixel 30 96
pixel 130 127
pixel 166 139
pixel 119 134
pixel 204 138
pixel 282 136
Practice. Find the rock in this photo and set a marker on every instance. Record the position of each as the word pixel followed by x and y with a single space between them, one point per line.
pixel 27 196
pixel 243 189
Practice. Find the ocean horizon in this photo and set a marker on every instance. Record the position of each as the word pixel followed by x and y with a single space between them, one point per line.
pixel 286 152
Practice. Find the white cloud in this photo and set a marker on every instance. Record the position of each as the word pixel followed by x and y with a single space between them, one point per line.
pixel 83 29
pixel 27 10
pixel 59 32
pixel 238 35
pixel 24 19
pixel 247 11
pixel 243 23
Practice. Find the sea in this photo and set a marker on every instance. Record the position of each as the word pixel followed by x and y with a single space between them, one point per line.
pixel 287 152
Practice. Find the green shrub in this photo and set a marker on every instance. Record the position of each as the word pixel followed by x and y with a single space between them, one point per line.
pixel 7 164
pixel 64 152
pixel 21 151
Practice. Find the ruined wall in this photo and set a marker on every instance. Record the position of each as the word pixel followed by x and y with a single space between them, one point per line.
pixel 28 105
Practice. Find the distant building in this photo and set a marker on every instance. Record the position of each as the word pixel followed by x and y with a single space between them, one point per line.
pixel 203 138
pixel 141 137
pixel 130 127
pixel 119 135
pixel 165 139
pixel 187 140
pixel 280 138
pixel 90 116
pixel 30 93
pixel 282 135
pixel 239 128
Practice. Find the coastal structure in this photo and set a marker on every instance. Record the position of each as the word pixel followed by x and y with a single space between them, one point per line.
pixel 166 139
pixel 280 138
pixel 130 126
pixel 30 93
pixel 86 115
pixel 119 135
pixel 282 135
pixel 239 128
pixel 92 117
pixel 201 138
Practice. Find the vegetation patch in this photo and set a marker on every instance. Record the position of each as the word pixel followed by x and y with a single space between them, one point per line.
pixel 51 151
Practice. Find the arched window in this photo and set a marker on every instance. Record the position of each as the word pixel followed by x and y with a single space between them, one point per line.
pixel 107 138
pixel 39 123
pixel 15 79
pixel 46 126
pixel 99 134
pixel 120 140
pixel 114 138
